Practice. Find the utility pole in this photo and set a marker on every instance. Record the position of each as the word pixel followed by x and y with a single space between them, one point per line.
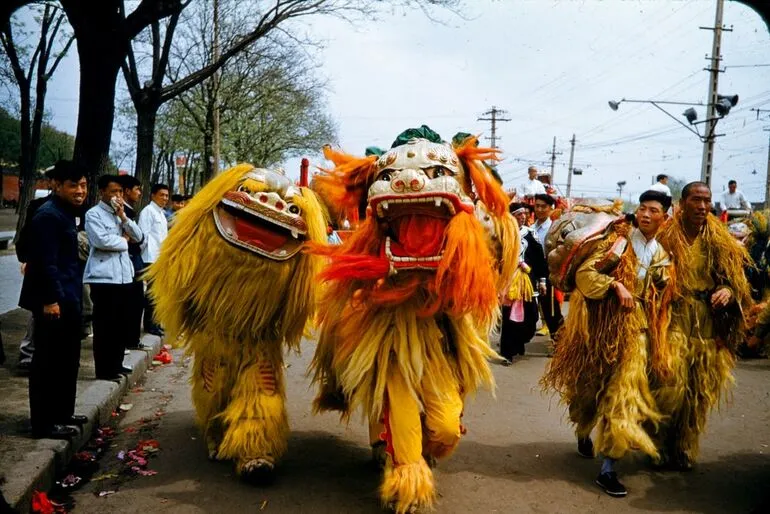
pixel 553 153
pixel 569 171
pixel 216 144
pixel 494 115
pixel 711 115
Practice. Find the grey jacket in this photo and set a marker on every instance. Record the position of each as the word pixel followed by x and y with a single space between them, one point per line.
pixel 108 260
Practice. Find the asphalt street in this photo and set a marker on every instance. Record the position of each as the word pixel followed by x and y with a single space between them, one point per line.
pixel 518 456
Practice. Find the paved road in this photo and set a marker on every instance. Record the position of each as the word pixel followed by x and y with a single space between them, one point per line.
pixel 10 283
pixel 518 456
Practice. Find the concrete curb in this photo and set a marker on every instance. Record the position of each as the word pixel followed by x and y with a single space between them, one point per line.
pixel 39 469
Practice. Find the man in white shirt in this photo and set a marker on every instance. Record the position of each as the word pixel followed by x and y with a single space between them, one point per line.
pixel 532 186
pixel 661 185
pixel 154 226
pixel 733 199
pixel 550 306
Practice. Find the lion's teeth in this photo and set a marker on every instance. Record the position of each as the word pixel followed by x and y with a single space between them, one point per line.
pixel 437 201
pixel 384 205
pixel 294 234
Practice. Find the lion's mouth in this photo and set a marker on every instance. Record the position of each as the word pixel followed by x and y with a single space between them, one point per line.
pixel 257 231
pixel 415 227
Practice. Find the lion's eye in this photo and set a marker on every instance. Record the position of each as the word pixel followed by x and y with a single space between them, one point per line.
pixel 294 209
pixel 243 189
pixel 438 171
pixel 385 175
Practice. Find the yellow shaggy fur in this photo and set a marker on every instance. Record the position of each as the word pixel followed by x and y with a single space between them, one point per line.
pixel 234 311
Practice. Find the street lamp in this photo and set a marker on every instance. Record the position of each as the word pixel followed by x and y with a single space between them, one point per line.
pixel 722 107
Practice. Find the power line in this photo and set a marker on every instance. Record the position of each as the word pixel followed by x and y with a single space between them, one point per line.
pixel 494 115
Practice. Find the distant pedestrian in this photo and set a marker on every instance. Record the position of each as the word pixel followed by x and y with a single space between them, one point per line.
pixel 52 290
pixel 531 187
pixel 661 185
pixel 549 304
pixel 110 274
pixel 733 199
pixel 154 226
pixel 132 195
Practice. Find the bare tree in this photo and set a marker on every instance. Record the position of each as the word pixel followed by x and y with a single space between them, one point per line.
pixel 31 69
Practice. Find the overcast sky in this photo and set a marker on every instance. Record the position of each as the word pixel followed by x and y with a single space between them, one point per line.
pixel 552 65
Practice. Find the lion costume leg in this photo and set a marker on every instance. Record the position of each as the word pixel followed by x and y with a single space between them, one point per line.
pixel 211 388
pixel 255 420
pixel 442 412
pixel 408 482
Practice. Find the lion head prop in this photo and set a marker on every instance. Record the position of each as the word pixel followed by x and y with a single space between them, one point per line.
pixel 421 231
pixel 232 266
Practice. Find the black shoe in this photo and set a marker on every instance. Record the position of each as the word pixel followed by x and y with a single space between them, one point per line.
pixel 125 370
pixel 156 332
pixel 24 365
pixel 111 378
pixel 77 419
pixel 57 432
pixel 586 447
pixel 609 482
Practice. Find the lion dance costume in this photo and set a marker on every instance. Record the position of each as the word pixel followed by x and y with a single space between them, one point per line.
pixel 411 296
pixel 703 341
pixel 232 282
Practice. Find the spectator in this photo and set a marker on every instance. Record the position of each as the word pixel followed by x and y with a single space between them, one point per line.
pixel 110 274
pixel 27 345
pixel 733 199
pixel 549 304
pixel 154 226
pixel 531 187
pixel 132 195
pixel 52 290
pixel 661 185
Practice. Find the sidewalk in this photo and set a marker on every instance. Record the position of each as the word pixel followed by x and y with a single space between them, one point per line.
pixel 27 464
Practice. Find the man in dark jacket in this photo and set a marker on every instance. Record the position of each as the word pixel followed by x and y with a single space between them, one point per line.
pixel 52 290
pixel 132 194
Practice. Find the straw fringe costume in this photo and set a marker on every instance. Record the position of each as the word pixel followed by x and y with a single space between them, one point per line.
pixel 703 341
pixel 233 286
pixel 602 364
pixel 411 296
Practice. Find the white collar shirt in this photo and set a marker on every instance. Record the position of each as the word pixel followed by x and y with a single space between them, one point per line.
pixel 644 250
pixel 531 188
pixel 734 200
pixel 154 225
pixel 540 229
pixel 661 187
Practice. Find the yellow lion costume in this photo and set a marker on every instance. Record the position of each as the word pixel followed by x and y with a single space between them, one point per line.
pixel 411 296
pixel 232 281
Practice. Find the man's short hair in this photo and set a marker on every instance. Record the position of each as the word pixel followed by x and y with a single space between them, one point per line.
pixel 546 198
pixel 517 206
pixel 66 170
pixel 177 198
pixel 660 177
pixel 129 181
pixel 732 182
pixel 686 190
pixel 656 196
pixel 106 180
pixel 158 187
pixel 187 198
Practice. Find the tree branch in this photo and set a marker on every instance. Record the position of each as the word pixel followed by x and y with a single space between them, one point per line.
pixel 147 12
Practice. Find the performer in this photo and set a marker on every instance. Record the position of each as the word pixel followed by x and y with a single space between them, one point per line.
pixel 711 291
pixel 408 295
pixel 232 281
pixel 520 302
pixel 614 338
pixel 549 304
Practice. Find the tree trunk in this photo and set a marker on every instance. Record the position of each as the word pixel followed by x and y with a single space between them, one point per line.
pixel 146 116
pixel 99 65
pixel 208 153
pixel 26 171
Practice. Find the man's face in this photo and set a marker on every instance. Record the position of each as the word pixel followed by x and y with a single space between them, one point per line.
pixel 74 193
pixel 133 195
pixel 521 218
pixel 112 189
pixel 532 174
pixel 542 210
pixel 649 216
pixel 732 187
pixel 696 206
pixel 176 205
pixel 161 198
pixel 664 181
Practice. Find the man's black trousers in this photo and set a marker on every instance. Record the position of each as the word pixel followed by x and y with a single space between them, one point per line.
pixel 112 319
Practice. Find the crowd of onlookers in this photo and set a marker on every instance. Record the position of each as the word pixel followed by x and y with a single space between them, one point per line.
pixel 82 267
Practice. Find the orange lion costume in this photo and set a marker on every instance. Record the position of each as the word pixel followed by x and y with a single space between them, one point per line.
pixel 410 298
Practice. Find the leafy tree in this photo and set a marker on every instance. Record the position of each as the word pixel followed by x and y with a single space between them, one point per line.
pixel 30 68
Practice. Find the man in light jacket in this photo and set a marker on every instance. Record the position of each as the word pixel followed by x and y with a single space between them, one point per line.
pixel 110 274
pixel 154 226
